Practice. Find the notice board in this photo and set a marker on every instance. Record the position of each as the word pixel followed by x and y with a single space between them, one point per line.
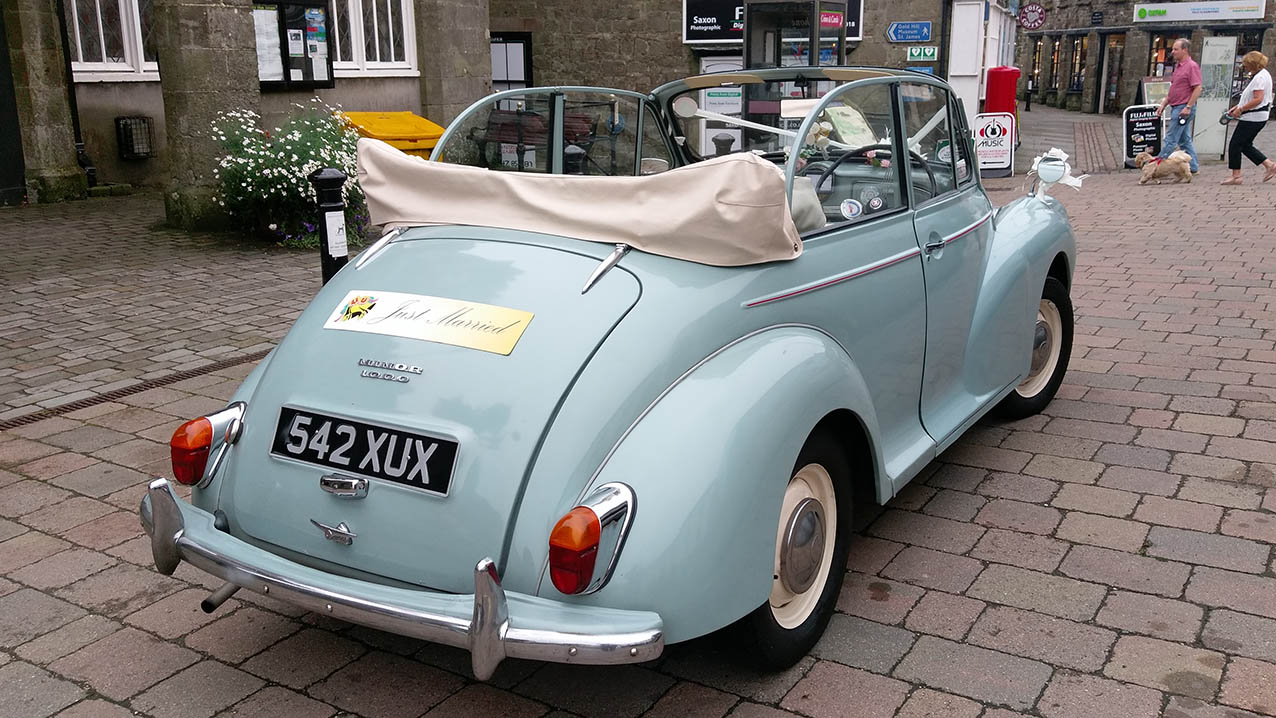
pixel 294 44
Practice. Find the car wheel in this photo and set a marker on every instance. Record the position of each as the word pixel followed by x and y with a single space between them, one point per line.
pixel 812 537
pixel 1051 348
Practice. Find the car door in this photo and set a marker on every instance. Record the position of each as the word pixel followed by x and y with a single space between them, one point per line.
pixel 860 276
pixel 953 223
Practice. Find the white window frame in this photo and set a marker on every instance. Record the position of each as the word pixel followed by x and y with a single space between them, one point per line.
pixel 134 68
pixel 359 66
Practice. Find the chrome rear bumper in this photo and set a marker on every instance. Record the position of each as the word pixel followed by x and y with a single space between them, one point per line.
pixel 492 624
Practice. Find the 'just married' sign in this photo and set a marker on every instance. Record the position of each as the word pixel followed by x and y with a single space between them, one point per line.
pixel 433 319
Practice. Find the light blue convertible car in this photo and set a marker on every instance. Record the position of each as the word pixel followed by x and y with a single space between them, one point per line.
pixel 626 365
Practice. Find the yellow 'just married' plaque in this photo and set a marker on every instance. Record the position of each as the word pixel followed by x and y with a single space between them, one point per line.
pixel 433 319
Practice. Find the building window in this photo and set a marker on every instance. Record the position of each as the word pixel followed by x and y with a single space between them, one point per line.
pixel 1077 79
pixel 1054 65
pixel 1161 63
pixel 1035 79
pixel 511 60
pixel 111 39
pixel 374 37
pixel 1245 41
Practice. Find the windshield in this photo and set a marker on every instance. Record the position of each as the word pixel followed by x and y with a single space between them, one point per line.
pixel 761 116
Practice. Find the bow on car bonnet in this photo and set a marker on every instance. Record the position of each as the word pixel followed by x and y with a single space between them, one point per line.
pixel 727 211
pixel 1053 168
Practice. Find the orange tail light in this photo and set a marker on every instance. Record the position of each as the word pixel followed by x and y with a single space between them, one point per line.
pixel 189 447
pixel 573 549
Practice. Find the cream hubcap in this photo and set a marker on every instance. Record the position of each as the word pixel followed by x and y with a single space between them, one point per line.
pixel 803 545
pixel 1045 350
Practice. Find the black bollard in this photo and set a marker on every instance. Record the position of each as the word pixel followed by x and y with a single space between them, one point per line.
pixel 333 253
pixel 1027 98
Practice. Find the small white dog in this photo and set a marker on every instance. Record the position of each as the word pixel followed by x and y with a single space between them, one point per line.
pixel 1178 165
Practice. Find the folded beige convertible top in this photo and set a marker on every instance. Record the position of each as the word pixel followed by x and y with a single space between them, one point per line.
pixel 727 211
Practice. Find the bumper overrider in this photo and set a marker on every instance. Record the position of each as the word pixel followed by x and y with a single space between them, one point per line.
pixel 490 623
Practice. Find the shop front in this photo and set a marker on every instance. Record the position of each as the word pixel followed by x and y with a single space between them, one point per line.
pixel 1103 60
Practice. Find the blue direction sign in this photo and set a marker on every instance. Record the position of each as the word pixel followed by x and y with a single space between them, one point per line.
pixel 918 31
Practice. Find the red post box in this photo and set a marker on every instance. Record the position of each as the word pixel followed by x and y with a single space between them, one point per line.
pixel 999 94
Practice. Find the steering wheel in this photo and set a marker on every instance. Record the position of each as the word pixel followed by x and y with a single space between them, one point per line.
pixel 859 153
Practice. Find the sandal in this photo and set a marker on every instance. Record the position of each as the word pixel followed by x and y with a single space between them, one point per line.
pixel 1270 174
pixel 1231 180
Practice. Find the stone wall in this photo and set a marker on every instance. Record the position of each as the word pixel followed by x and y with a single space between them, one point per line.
pixel 877 49
pixel 99 104
pixel 632 45
pixel 44 108
pixel 208 63
pixel 454 54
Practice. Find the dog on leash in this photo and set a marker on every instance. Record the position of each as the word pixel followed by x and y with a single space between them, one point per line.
pixel 1178 165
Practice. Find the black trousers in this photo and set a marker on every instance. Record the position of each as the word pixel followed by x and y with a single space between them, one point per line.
pixel 1243 144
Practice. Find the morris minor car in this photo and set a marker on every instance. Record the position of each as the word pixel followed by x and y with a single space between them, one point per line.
pixel 624 366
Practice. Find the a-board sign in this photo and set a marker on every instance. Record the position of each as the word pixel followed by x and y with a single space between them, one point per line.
pixel 1142 131
pixel 1155 89
pixel 995 143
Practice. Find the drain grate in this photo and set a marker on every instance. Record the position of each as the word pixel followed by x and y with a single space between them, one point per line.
pixel 114 394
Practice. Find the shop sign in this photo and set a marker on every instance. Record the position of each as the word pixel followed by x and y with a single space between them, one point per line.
pixel 831 18
pixel 995 143
pixel 1142 131
pixel 923 53
pixel 1211 10
pixel 1096 18
pixel 709 22
pixel 917 31
pixel 1032 16
pixel 712 21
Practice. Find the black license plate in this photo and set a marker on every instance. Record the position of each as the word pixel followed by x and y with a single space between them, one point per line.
pixel 416 460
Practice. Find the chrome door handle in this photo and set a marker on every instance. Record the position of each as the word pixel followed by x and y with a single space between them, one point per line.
pixel 934 246
pixel 344 487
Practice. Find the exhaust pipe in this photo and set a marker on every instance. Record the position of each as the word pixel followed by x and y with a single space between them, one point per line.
pixel 218 597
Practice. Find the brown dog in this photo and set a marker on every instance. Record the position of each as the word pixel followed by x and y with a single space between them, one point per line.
pixel 1178 165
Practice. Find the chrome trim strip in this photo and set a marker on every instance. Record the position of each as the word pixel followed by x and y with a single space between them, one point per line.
pixel 612 260
pixel 228 426
pixel 835 279
pixel 481 623
pixel 614 504
pixel 963 232
pixel 366 255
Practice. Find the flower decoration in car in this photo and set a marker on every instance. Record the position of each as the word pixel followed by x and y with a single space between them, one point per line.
pixel 876 161
pixel 817 140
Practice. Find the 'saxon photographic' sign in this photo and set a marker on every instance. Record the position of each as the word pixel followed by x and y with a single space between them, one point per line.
pixel 995 143
pixel 708 22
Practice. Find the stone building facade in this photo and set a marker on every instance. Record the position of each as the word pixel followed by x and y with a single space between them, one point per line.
pixel 1092 56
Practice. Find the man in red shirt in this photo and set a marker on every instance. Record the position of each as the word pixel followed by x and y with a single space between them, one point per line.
pixel 1185 88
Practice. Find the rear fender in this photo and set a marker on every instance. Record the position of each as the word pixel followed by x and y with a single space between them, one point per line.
pixel 709 462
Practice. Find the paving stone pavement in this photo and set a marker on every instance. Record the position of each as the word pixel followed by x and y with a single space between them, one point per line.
pixel 97 299
pixel 1111 557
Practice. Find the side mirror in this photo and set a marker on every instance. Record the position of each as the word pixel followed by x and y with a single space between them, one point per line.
pixel 653 166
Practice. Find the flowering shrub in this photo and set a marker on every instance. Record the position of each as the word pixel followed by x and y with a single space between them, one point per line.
pixel 262 176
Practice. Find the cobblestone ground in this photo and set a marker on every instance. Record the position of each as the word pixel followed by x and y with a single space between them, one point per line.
pixel 96 299
pixel 1111 557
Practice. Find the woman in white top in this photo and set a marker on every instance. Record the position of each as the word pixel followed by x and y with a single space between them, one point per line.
pixel 1252 112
